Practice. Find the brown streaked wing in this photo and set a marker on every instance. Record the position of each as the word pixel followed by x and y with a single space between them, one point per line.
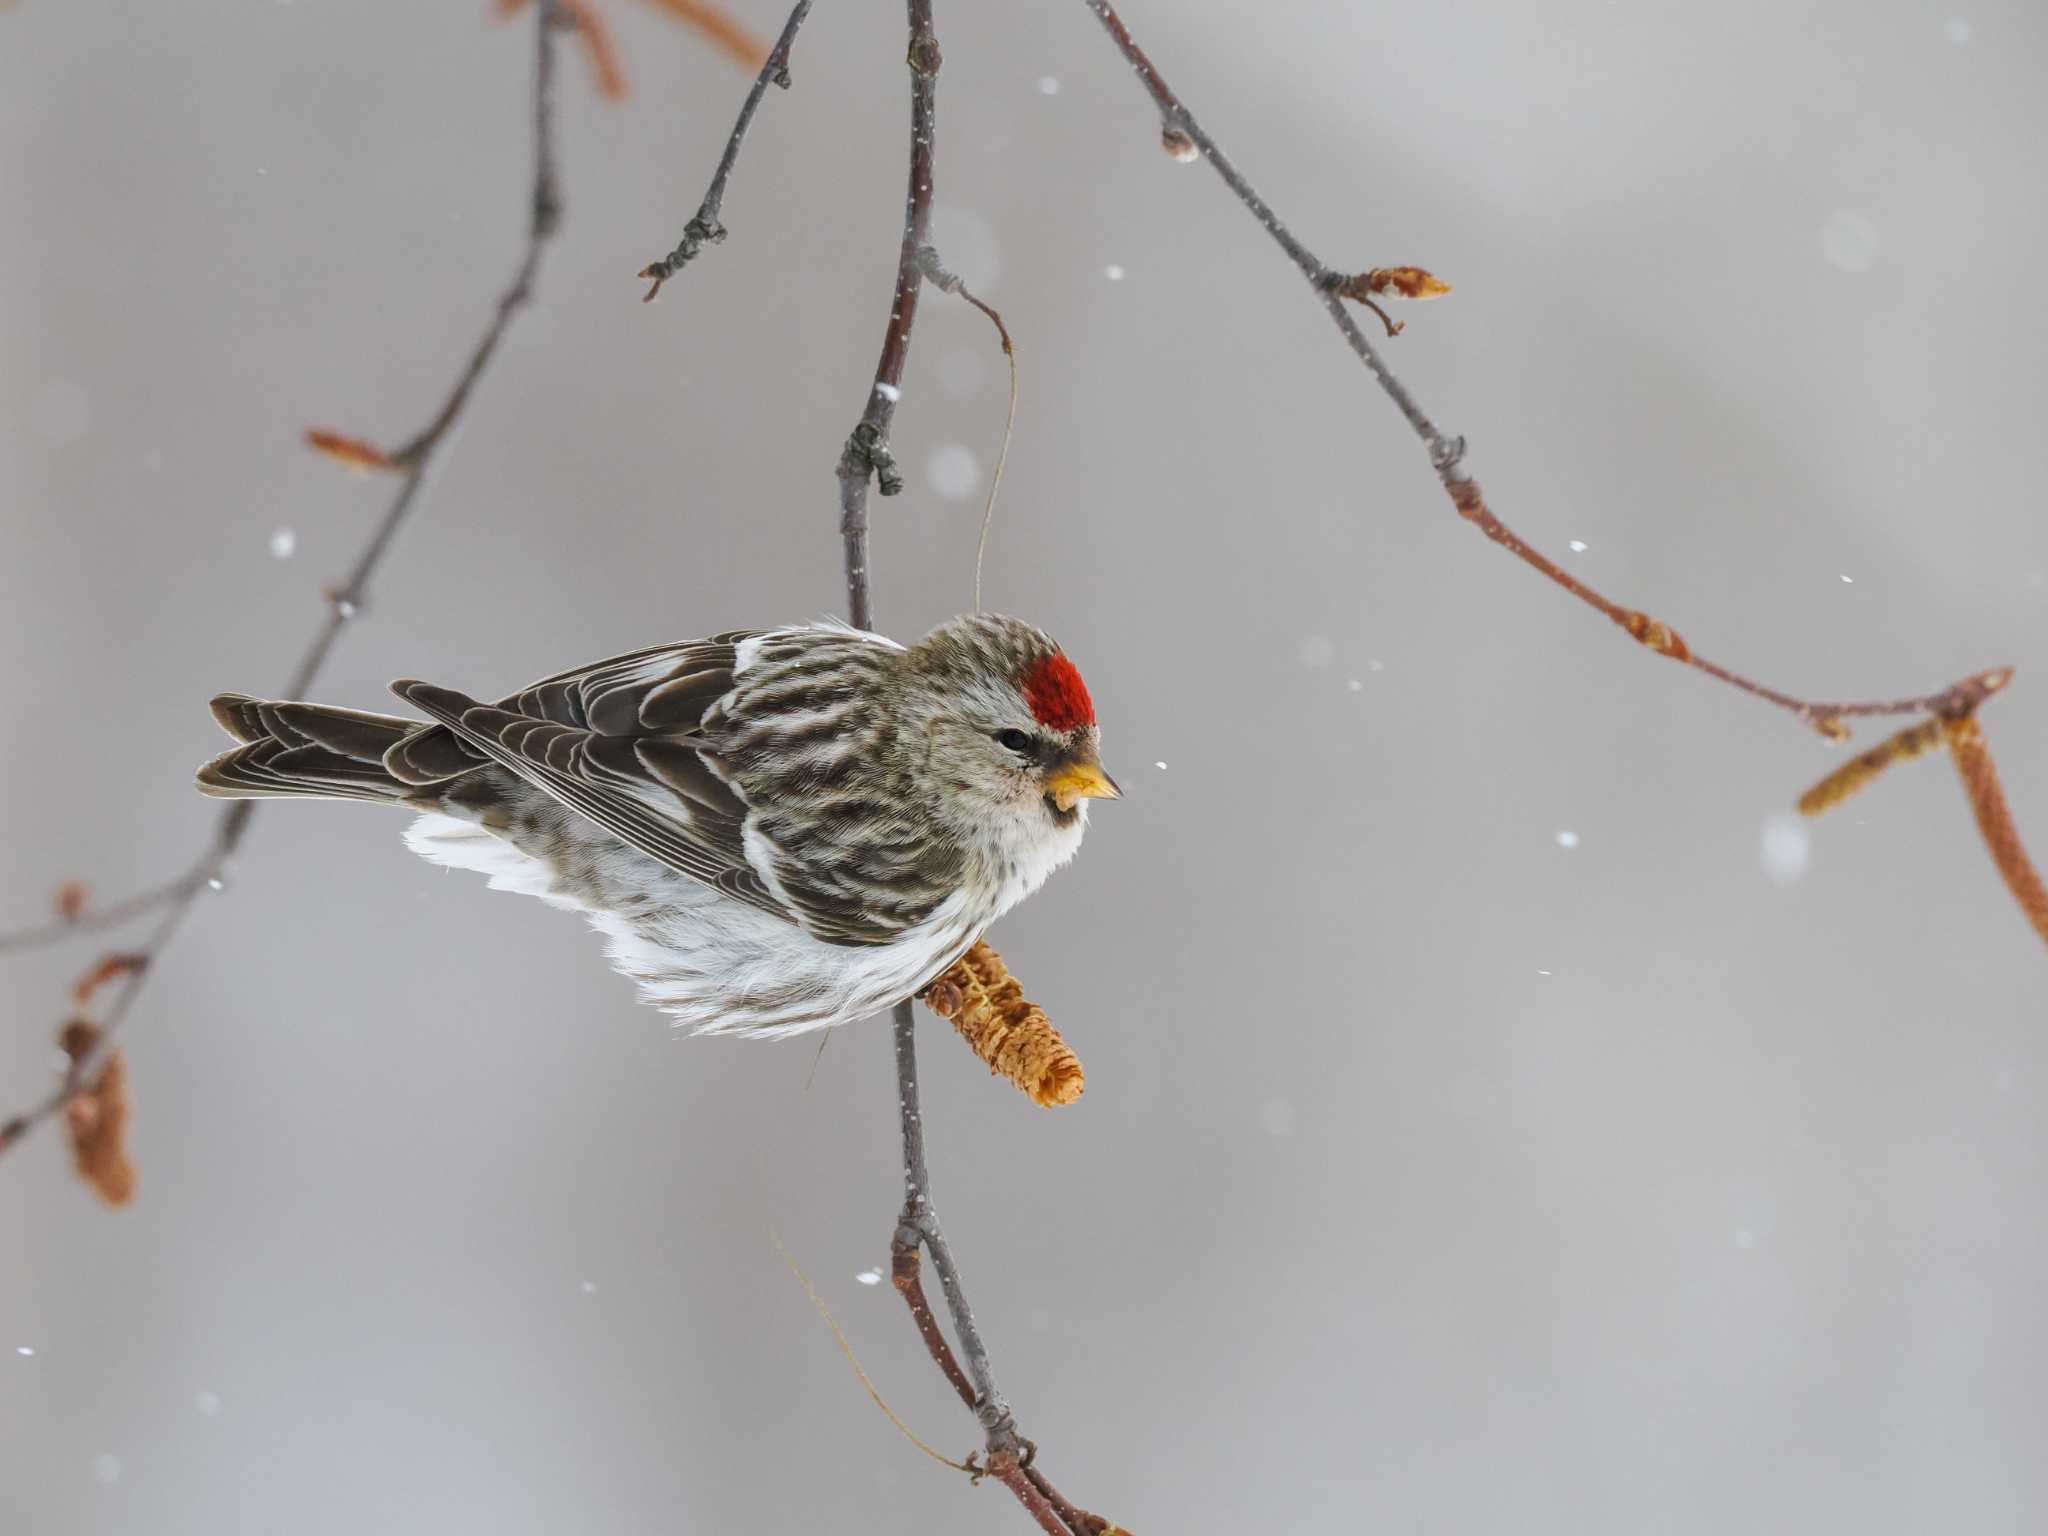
pixel 604 779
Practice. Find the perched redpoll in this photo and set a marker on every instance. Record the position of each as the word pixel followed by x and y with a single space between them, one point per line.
pixel 778 829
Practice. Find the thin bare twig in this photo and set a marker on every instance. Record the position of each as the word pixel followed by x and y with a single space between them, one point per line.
pixel 865 457
pixel 344 601
pixel 866 454
pixel 94 919
pixel 1446 453
pixel 1186 139
pixel 704 228
pixel 947 282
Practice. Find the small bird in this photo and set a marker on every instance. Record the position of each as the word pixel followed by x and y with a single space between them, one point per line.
pixel 778 830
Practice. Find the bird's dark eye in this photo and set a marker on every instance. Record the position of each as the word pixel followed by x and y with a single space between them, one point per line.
pixel 1014 739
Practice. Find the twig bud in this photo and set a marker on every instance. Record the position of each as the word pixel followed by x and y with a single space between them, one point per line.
pixel 353 452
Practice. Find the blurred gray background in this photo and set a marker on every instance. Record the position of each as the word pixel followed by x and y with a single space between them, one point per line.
pixel 1433 1175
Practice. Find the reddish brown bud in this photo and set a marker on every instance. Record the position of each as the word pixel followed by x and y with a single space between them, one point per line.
pixel 1178 145
pixel 70 900
pixel 1657 635
pixel 353 452
pixel 104 970
pixel 1405 283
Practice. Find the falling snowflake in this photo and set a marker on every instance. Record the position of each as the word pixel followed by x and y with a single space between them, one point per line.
pixel 1785 846
pixel 869 1277
pixel 953 471
pixel 1849 241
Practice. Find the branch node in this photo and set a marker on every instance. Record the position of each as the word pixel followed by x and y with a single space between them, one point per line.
pixel 702 230
pixel 867 452
pixel 547 212
pixel 924 57
pixel 1656 634
pixel 1175 140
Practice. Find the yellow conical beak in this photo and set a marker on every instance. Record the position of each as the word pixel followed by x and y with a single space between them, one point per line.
pixel 1082 779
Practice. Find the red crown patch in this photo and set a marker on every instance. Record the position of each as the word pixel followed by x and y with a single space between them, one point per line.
pixel 1057 696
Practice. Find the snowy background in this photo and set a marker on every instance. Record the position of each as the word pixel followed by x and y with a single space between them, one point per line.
pixel 1482 1133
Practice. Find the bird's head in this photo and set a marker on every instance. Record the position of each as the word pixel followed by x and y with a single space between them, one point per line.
pixel 1011 728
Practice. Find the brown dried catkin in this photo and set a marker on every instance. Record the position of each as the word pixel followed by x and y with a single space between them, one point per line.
pixel 1972 756
pixel 982 1000
pixel 1913 741
pixel 96 1118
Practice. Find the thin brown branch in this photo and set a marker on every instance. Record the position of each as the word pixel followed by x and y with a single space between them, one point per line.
pixel 718 26
pixel 1005 1468
pixel 344 601
pixel 1185 138
pixel 704 228
pixel 94 919
pixel 906 1274
pixel 595 34
pixel 1446 453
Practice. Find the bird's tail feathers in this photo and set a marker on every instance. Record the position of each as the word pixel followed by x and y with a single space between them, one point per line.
pixel 306 751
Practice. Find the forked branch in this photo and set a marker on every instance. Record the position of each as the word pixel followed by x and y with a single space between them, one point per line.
pixel 1186 139
pixel 866 458
pixel 344 602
